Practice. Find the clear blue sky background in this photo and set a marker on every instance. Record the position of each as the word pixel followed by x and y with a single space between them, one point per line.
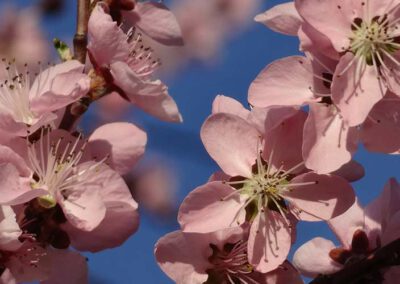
pixel 194 91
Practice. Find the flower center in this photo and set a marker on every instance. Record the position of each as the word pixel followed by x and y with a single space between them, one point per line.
pixel 266 187
pixel 373 40
pixel 141 57
pixel 55 166
pixel 230 264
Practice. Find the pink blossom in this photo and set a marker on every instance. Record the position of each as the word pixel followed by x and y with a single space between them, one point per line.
pixel 364 37
pixel 67 177
pixel 274 182
pixel 329 142
pixel 360 231
pixel 26 105
pixel 219 257
pixel 127 65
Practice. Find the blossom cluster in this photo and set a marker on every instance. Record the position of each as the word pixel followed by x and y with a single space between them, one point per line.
pixel 289 158
pixel 61 190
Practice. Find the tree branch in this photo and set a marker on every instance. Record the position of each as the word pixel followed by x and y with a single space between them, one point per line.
pixel 75 110
pixel 382 258
pixel 80 38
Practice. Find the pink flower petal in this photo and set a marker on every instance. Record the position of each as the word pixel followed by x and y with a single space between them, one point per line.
pixel 121 216
pixel 269 241
pixel 284 274
pixel 7 278
pixel 83 206
pixel 155 20
pixel 328 198
pixel 58 86
pixel 232 142
pixel 313 259
pixel 204 209
pixel 9 230
pixel 67 267
pixel 107 42
pixel 392 230
pixel 16 189
pixel 183 261
pixel 285 82
pixel 124 142
pixel 332 18
pixel 346 224
pixel 355 95
pixel 282 18
pixel 382 121
pixel 151 96
pixel 352 171
pixel 284 142
pixel 328 143
pixel 380 211
pixel 223 104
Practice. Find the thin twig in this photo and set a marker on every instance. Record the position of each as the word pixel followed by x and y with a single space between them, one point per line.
pixel 80 38
pixel 75 110
pixel 380 259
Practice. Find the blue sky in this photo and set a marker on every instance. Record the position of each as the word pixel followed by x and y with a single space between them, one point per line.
pixel 194 90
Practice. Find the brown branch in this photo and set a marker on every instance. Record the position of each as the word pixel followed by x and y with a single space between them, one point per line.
pixel 382 258
pixel 75 110
pixel 80 38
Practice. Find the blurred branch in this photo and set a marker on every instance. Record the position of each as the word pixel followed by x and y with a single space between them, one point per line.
pixel 382 258
pixel 75 110
pixel 80 38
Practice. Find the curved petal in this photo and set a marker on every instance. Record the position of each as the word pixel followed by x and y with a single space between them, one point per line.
pixel 356 89
pixel 124 142
pixel 328 143
pixel 119 223
pixel 9 230
pixel 121 218
pixel 223 104
pixel 8 155
pixel 151 96
pixel 346 224
pixel 58 86
pixel 15 189
pixel 232 142
pixel 320 197
pixel 20 264
pixel 382 121
pixel 7 277
pixel 352 171
pixel 84 208
pixel 66 267
pixel 204 210
pixel 183 261
pixel 380 211
pixel 269 241
pixel 285 82
pixel 332 18
pixel 284 274
pixel 283 143
pixel 156 21
pixel 107 42
pixel 312 258
pixel 282 18
pixel 83 204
